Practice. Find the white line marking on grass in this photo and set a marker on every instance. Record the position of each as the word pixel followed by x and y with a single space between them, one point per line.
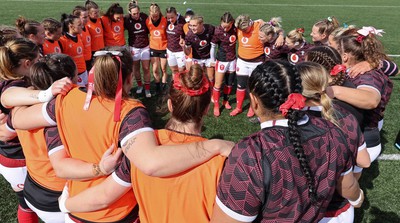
pixel 236 4
pixel 394 55
pixel 389 157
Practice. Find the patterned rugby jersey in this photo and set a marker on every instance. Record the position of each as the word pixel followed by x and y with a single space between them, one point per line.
pixel 299 55
pixel 273 53
pixel 263 181
pixel 226 42
pixel 200 43
pixel 376 80
pixel 174 34
pixel 138 34
pixel 12 148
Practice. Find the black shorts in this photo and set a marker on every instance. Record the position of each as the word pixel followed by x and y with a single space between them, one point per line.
pixel 158 53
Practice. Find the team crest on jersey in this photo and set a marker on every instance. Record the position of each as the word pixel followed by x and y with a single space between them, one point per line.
pixel 245 40
pixel 88 39
pixel 117 29
pixel 156 33
pixel 221 67
pixel 57 49
pixel 98 30
pixel 138 26
pixel 294 58
pixel 267 51
pixel 232 39
pixel 79 50
pixel 171 27
pixel 203 42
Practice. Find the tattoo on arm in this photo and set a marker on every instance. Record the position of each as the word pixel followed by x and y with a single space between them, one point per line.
pixel 34 95
pixel 127 146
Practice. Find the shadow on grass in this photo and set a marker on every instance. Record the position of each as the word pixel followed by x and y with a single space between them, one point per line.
pixel 366 183
pixel 380 216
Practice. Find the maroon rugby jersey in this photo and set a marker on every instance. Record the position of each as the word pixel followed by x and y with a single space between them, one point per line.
pixel 272 52
pixel 380 82
pixel 263 181
pixel 138 34
pixel 200 43
pixel 226 42
pixel 298 55
pixel 12 148
pixel 174 34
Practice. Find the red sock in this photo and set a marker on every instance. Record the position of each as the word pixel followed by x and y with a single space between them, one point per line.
pixel 227 90
pixel 139 83
pixel 216 94
pixel 147 86
pixel 26 215
pixel 240 95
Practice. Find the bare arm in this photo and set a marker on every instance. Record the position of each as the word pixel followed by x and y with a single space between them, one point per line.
pixel 348 187
pixel 363 159
pixel 19 96
pixel 27 118
pixel 160 161
pixel 363 97
pixel 69 168
pixel 96 197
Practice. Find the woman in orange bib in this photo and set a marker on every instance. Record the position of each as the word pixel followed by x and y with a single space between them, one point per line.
pixel 171 199
pixel 113 24
pixel 157 25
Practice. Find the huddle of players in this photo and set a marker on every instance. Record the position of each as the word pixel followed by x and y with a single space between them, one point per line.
pixel 251 55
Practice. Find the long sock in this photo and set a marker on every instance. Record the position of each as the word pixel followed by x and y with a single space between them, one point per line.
pixel 139 83
pixel 147 86
pixel 227 92
pixel 240 95
pixel 216 94
pixel 26 215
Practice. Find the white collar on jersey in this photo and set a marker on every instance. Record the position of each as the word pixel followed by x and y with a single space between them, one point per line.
pixel 283 122
pixel 312 108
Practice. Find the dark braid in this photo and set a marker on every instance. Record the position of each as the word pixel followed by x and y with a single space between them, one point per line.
pixel 294 137
pixel 272 82
pixel 327 57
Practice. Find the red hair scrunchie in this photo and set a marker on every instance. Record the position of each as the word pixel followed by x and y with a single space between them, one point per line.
pixel 178 85
pixel 337 69
pixel 295 101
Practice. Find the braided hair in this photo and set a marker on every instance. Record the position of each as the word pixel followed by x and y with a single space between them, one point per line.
pixel 272 82
pixel 327 57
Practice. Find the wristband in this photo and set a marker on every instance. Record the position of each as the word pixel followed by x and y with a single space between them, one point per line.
pixel 45 96
pixel 357 202
pixel 63 199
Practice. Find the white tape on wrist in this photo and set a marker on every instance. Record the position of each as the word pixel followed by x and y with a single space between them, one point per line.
pixel 45 96
pixel 357 202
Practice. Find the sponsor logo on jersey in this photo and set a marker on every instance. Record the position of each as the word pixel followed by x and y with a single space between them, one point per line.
pixel 232 38
pixel 138 26
pixel 294 58
pixel 203 42
pixel 245 40
pixel 156 33
pixel 57 49
pixel 117 29
pixel 267 51
pixel 88 39
pixel 79 50
pixel 98 30
pixel 171 27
